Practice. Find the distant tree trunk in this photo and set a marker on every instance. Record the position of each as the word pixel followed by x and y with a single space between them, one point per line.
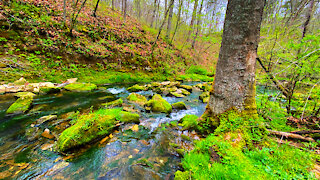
pixel 138 9
pixel 194 14
pixel 153 13
pixel 75 15
pixel 164 21
pixel 178 20
pixel 234 83
pixel 198 26
pixel 112 4
pixel 169 21
pixel 305 25
pixel 95 9
pixel 64 11
pixel 125 11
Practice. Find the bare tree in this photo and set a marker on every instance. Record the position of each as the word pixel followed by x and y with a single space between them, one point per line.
pixel 169 20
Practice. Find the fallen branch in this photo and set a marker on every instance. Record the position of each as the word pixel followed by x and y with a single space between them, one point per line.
pixel 290 135
pixel 305 132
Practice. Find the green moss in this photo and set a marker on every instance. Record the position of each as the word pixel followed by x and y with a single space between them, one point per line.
pixel 190 122
pixel 179 105
pixel 24 94
pixel 92 126
pixel 78 87
pixel 136 88
pixel 114 103
pixel 137 98
pixel 158 104
pixel 179 175
pixel 21 105
pixel 184 137
pixel 49 90
pixel 128 117
pixel 181 152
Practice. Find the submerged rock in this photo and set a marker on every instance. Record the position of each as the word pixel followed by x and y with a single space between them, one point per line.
pixel 158 104
pixel 136 88
pixel 21 105
pixel 91 126
pixel 46 133
pixel 115 103
pixel 177 94
pixel 179 105
pixel 186 87
pixel 137 98
pixel 78 87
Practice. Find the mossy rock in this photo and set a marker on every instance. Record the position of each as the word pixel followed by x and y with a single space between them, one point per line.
pixel 179 105
pixel 128 117
pixel 186 87
pixel 137 98
pixel 178 95
pixel 158 104
pixel 21 81
pixel 49 90
pixel 136 88
pixel 92 126
pixel 181 152
pixel 24 94
pixel 189 122
pixel 21 105
pixel 79 87
pixel 204 96
pixel 185 92
pixel 115 103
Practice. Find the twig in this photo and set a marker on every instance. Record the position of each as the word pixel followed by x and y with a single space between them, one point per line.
pixel 306 132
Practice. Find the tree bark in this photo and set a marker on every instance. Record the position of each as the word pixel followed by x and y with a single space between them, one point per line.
pixel 125 11
pixel 234 84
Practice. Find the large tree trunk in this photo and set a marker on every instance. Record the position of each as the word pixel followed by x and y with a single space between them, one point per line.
pixel 234 84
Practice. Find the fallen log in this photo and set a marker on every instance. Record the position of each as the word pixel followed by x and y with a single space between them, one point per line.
pixel 290 135
pixel 306 132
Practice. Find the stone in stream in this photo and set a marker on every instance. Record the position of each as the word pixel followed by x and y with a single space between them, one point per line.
pixel 137 98
pixel 46 118
pixel 187 87
pixel 177 94
pixel 46 133
pixel 32 133
pixel 136 88
pixel 24 94
pixel 158 104
pixel 2 89
pixel 21 105
pixel 21 81
pixel 115 103
pixel 49 90
pixel 80 87
pixel 179 105
pixel 91 126
pixel 204 97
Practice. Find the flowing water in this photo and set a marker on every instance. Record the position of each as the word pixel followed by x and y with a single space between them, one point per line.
pixel 145 154
pixel 126 154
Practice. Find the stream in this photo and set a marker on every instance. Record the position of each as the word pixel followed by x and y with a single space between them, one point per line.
pixel 126 154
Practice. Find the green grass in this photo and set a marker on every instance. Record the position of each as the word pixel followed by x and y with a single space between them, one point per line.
pixel 273 161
